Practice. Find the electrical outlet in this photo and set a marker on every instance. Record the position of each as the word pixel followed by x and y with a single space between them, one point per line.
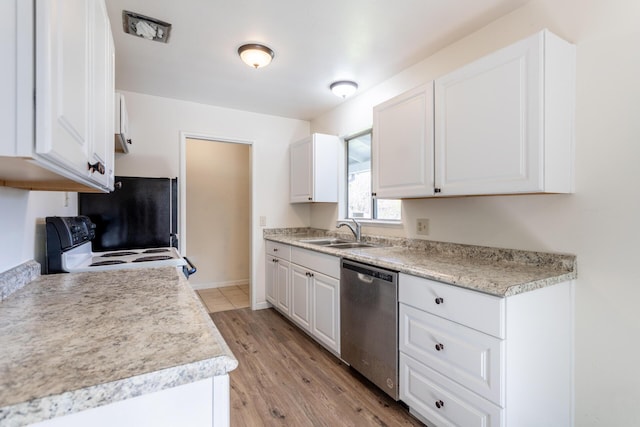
pixel 263 221
pixel 422 226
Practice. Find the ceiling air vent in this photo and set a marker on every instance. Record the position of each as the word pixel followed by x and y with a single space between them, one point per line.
pixel 145 27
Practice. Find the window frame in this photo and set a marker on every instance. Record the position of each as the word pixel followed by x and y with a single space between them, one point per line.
pixel 344 212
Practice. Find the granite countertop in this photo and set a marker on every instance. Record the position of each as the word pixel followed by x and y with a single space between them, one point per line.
pixel 494 271
pixel 70 342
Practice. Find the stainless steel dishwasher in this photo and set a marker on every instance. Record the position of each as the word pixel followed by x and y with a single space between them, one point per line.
pixel 369 323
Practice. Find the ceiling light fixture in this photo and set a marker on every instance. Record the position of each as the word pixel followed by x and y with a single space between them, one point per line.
pixel 255 55
pixel 343 88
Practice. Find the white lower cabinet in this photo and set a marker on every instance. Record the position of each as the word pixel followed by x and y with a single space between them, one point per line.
pixel 309 295
pixel 203 403
pixel 463 354
pixel 472 359
pixel 282 279
pixel 315 305
pixel 436 398
pixel 301 284
pixel 316 295
pixel 325 325
pixel 277 275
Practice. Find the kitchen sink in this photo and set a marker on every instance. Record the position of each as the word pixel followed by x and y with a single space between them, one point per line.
pixel 325 242
pixel 336 243
pixel 350 245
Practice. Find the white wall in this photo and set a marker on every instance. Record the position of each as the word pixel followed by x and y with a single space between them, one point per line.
pixel 155 128
pixel 218 198
pixel 599 223
pixel 23 214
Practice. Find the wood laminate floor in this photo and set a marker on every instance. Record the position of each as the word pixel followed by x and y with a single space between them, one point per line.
pixel 284 378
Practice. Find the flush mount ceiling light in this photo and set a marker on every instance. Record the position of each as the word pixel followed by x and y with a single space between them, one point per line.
pixel 255 55
pixel 343 88
pixel 145 27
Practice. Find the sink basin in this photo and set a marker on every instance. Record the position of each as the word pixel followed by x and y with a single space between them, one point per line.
pixel 325 242
pixel 335 243
pixel 350 245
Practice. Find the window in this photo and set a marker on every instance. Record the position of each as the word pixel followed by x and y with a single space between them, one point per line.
pixel 360 203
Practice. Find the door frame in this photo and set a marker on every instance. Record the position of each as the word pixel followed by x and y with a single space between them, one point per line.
pixel 182 202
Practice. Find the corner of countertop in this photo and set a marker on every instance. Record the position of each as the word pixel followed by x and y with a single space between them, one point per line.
pixel 17 277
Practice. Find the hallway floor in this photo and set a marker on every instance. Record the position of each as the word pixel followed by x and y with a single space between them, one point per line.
pixel 226 298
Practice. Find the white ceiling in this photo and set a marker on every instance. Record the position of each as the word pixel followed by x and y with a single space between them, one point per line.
pixel 315 43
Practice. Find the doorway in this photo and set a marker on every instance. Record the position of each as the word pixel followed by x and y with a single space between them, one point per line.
pixel 217 219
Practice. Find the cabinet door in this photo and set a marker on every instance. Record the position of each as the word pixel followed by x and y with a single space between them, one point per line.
pixel 282 285
pixel 462 354
pixel 442 401
pixel 111 87
pixel 489 123
pixel 326 310
pixel 16 78
pixel 301 296
pixel 63 61
pixel 101 97
pixel 402 145
pixel 301 176
pixel 270 272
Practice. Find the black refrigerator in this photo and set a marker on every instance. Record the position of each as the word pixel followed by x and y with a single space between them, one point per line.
pixel 140 213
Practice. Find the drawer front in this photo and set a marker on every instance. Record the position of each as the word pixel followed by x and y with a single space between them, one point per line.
pixel 476 310
pixel 322 263
pixel 280 250
pixel 465 355
pixel 442 401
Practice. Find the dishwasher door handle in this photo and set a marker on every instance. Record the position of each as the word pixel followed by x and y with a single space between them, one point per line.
pixel 364 278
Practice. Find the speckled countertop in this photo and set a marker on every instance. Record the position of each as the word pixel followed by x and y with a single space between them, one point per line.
pixel 70 342
pixel 495 271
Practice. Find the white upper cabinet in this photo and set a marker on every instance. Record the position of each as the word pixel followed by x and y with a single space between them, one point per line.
pixel 72 148
pixel 16 78
pixel 501 125
pixel 121 123
pixel 314 169
pixel 62 82
pixel 402 145
pixel 504 124
pixel 102 97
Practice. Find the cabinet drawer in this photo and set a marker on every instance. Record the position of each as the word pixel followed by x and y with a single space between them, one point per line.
pixel 280 250
pixel 469 357
pixel 476 310
pixel 322 263
pixel 442 401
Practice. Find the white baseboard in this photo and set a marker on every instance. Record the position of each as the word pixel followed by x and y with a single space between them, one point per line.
pixel 261 306
pixel 212 285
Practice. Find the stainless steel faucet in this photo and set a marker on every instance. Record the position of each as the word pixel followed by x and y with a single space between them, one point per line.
pixel 355 230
